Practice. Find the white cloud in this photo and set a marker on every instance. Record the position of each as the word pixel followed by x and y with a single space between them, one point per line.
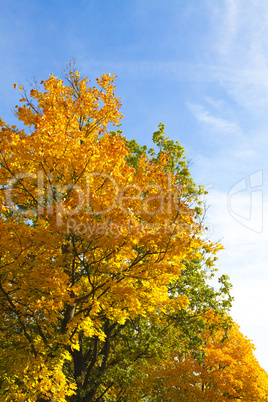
pixel 218 124
pixel 248 154
pixel 239 45
pixel 245 261
pixel 185 71
pixel 227 30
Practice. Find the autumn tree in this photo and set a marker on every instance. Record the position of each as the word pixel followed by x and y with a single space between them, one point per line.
pixel 146 343
pixel 228 371
pixel 100 239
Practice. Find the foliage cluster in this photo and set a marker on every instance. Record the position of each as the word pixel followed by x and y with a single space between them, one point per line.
pixel 104 269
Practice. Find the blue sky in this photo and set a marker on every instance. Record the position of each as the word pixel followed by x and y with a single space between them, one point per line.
pixel 199 67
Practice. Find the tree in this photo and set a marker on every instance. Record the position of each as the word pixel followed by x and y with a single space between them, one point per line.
pixel 228 371
pixel 97 236
pixel 146 343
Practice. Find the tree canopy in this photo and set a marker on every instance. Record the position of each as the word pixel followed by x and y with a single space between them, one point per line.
pixel 104 280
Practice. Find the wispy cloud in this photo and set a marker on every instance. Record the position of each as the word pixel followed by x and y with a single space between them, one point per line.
pixel 183 71
pixel 238 44
pixel 218 124
pixel 243 229
pixel 228 29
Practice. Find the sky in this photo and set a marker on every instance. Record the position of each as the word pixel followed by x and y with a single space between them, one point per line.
pixel 199 67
